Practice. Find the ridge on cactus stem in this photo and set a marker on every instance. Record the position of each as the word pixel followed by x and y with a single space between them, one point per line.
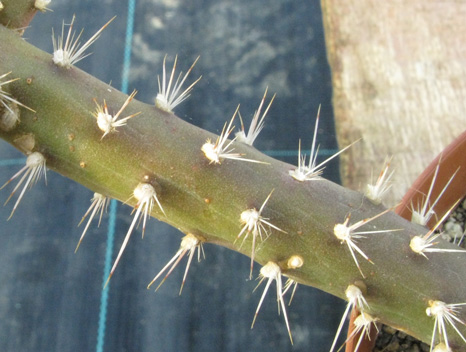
pixel 33 170
pixel 271 271
pixel 376 191
pixel 99 202
pixel 256 125
pixel 189 243
pixel 357 301
pixel 444 314
pixel 217 152
pixel 145 194
pixel 5 96
pixel 108 123
pixel 313 170
pixel 423 244
pixel 422 214
pixel 347 235
pixel 170 96
pixel 69 53
pixel 253 223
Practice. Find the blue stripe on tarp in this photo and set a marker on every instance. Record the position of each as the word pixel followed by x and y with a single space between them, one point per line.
pixel 10 162
pixel 128 44
pixel 107 268
pixel 113 203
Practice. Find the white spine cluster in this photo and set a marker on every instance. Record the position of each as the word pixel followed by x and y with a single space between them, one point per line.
pixel 424 244
pixel 68 52
pixel 362 325
pixel 108 123
pixel 170 94
pixel 189 243
pixel 41 5
pixel 346 234
pixel 424 212
pixel 9 103
pixel 294 262
pixel 31 172
pixel 444 314
pixel 99 203
pixel 145 195
pixel 253 223
pixel 376 191
pixel 271 271
pixel 257 123
pixel 312 171
pixel 357 301
pixel 221 150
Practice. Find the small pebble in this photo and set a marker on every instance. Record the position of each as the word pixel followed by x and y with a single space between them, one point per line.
pixel 402 335
pixel 414 348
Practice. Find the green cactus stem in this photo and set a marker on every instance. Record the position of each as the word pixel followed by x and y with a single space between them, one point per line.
pixel 207 199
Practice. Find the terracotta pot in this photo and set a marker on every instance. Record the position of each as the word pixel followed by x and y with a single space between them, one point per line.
pixel 452 159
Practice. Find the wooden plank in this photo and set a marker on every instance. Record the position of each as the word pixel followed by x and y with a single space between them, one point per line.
pixel 398 72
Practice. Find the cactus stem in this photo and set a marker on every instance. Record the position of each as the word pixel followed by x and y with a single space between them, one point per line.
pixel 168 98
pixel 189 243
pixel 256 125
pixel 108 123
pixel 313 170
pixel 376 191
pixel 271 271
pixel 423 244
pixel 444 313
pixel 34 168
pixel 254 223
pixel 347 235
pixel 99 202
pixel 70 53
pixel 356 300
